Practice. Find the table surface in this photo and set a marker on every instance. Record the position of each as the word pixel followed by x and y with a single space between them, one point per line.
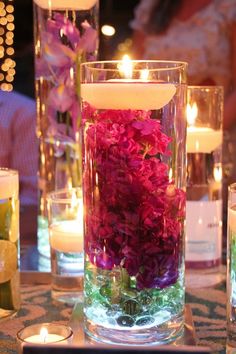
pixel 208 307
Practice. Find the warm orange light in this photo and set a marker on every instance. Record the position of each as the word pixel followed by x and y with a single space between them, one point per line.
pixel 6 44
pixel 10 8
pixel 108 30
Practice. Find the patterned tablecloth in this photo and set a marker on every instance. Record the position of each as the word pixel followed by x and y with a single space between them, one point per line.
pixel 208 307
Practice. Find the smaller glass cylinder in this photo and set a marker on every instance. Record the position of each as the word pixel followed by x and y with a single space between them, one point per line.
pixel 65 34
pixel 231 267
pixel 204 185
pixel 9 243
pixel 65 211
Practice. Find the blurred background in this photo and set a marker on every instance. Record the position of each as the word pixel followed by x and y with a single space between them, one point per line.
pixel 16 39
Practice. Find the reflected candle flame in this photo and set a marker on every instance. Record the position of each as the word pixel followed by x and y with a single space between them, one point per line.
pixel 144 74
pixel 126 67
pixel 217 172
pixel 192 112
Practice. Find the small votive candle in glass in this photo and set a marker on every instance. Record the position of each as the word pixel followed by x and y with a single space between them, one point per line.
pixel 44 333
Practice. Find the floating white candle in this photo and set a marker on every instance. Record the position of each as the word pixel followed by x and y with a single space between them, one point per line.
pixel 66 4
pixel 203 139
pixel 9 184
pixel 128 94
pixel 67 236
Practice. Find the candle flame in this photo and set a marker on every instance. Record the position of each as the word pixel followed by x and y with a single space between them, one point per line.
pixel 192 112
pixel 43 334
pixel 217 173
pixel 126 67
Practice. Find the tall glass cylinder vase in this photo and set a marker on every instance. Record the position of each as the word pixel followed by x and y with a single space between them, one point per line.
pixel 134 135
pixel 65 34
pixel 204 185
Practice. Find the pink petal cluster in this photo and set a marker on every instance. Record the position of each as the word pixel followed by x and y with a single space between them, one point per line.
pixel 134 214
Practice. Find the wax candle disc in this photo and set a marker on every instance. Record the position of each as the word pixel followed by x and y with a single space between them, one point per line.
pixel 128 95
pixel 66 5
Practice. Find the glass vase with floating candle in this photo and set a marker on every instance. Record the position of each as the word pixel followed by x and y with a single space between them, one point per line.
pixel 134 136
pixel 204 185
pixel 65 34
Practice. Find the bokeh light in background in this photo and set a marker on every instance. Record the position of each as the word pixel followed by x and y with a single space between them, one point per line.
pixel 7 63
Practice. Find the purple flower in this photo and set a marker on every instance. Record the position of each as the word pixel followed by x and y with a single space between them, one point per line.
pixel 64 46
pixel 61 98
pixel 88 42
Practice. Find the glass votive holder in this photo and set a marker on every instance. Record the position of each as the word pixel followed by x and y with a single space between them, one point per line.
pixel 65 221
pixel 44 333
pixel 203 249
pixel 231 268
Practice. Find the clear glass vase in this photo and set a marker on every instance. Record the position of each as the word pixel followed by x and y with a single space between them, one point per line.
pixel 65 34
pixel 203 249
pixel 134 135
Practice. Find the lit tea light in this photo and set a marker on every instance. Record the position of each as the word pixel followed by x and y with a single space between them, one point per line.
pixel 44 337
pixel 44 334
pixel 200 139
pixel 67 235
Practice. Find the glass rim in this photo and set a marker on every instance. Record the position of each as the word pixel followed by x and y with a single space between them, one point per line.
pixel 9 171
pixel 179 64
pixel 53 197
pixel 208 87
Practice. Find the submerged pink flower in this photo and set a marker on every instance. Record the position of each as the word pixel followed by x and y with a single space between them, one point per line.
pixel 134 212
